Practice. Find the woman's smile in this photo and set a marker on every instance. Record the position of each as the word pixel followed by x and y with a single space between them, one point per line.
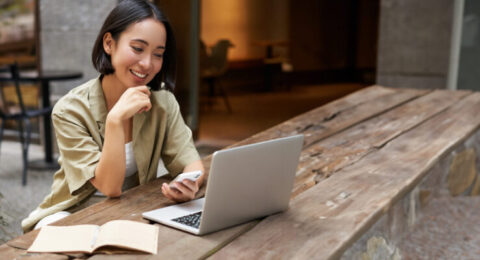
pixel 138 74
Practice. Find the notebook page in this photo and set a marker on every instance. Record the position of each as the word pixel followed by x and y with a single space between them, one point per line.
pixel 129 234
pixel 64 239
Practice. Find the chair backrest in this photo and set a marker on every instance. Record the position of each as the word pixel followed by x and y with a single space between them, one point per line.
pixel 219 55
pixel 217 60
pixel 3 70
pixel 203 55
pixel 12 78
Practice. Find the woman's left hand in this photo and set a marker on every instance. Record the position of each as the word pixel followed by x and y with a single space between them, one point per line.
pixel 180 191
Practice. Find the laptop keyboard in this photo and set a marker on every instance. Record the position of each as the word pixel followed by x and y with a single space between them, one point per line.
pixel 192 220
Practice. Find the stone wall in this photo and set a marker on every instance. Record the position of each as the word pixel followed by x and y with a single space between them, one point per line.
pixel 456 174
pixel 68 29
pixel 414 43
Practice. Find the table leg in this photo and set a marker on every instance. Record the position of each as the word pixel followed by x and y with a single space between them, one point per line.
pixel 269 51
pixel 48 163
pixel 47 122
pixel 269 70
pixel 268 78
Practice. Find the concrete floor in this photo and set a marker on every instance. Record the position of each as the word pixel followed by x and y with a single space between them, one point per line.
pixel 16 201
pixel 448 229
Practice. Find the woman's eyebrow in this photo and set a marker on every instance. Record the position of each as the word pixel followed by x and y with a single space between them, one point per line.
pixel 146 43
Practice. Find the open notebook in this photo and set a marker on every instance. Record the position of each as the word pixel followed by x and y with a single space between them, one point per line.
pixel 123 234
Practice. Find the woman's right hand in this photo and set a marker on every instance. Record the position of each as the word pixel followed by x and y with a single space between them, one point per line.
pixel 134 100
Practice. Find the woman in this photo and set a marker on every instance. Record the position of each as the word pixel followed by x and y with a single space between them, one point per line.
pixel 112 131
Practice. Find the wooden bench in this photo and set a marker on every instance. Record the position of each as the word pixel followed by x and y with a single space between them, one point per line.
pixel 370 161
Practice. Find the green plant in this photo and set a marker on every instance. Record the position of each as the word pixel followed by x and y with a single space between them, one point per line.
pixel 12 8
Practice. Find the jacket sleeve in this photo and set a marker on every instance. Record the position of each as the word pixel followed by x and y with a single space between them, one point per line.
pixel 79 152
pixel 178 148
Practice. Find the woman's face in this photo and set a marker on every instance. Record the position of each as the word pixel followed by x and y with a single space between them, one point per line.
pixel 137 55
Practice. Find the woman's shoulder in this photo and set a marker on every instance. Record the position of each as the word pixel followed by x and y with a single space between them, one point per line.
pixel 77 98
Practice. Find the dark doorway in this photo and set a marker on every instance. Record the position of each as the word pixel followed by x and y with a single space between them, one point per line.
pixel 287 57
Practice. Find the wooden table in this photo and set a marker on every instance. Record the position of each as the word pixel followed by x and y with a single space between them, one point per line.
pixel 362 154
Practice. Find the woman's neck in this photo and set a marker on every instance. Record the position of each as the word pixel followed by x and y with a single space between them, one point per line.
pixel 112 90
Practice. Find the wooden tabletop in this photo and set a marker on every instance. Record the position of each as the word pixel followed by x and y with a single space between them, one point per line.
pixel 361 154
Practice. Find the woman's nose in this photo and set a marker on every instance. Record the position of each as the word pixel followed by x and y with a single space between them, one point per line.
pixel 146 62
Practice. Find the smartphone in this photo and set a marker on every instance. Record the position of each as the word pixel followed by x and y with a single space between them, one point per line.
pixel 193 176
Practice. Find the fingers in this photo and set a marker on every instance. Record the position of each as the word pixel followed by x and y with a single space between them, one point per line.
pixel 180 192
pixel 172 194
pixel 133 101
pixel 143 97
pixel 143 89
pixel 176 195
pixel 192 185
pixel 147 107
pixel 167 192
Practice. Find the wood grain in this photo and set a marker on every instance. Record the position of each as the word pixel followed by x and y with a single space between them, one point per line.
pixel 326 219
pixel 336 116
pixel 7 252
pixel 322 159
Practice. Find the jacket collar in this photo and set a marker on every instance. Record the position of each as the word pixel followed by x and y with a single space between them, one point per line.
pixel 98 105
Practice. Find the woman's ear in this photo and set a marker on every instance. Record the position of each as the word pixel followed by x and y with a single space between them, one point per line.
pixel 108 41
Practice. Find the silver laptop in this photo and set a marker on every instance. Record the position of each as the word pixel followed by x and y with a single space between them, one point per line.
pixel 244 183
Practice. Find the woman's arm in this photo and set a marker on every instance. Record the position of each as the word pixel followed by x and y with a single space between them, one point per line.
pixel 185 190
pixel 110 171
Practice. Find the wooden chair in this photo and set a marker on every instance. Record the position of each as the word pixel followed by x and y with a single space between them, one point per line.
pixel 213 65
pixel 21 115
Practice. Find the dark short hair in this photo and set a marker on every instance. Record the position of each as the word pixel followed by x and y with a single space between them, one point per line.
pixel 123 15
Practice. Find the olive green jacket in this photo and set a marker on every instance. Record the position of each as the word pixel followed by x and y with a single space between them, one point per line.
pixel 79 120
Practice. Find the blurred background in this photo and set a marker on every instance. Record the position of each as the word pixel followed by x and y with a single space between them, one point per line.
pixel 244 66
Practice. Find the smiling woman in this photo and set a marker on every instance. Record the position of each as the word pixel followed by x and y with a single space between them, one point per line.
pixel 112 132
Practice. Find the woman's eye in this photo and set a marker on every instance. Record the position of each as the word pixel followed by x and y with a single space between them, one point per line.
pixel 137 49
pixel 158 55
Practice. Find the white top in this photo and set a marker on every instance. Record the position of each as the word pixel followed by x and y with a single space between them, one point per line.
pixel 131 165
pixel 130 169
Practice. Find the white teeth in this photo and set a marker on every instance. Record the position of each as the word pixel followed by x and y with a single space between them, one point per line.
pixel 138 74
